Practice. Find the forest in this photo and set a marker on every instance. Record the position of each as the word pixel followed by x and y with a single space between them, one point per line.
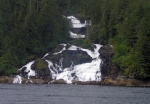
pixel 30 28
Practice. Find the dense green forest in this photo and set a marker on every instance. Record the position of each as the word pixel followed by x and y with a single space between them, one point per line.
pixel 29 28
pixel 125 24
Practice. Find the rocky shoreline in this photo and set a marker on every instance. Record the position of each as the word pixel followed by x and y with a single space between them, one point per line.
pixel 106 81
pixel 125 82
pixel 109 72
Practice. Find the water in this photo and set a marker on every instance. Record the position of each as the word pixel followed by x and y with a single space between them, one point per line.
pixel 72 94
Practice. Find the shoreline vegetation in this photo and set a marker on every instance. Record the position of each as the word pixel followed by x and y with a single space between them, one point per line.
pixel 31 28
pixel 120 81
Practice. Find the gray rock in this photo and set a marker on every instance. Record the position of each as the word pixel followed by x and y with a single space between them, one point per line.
pixel 108 68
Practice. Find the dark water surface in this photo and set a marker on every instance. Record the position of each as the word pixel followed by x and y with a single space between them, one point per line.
pixel 72 94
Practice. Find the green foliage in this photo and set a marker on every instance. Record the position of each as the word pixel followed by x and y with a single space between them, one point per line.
pixel 78 42
pixel 41 64
pixel 69 7
pixel 41 67
pixel 126 25
pixel 28 28
pixel 84 43
pixel 87 44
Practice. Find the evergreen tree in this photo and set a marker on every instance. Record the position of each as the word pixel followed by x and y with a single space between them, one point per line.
pixel 125 25
pixel 28 29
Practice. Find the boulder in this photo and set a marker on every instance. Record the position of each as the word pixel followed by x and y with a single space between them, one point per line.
pixel 41 68
pixel 82 30
pixel 108 68
pixel 70 57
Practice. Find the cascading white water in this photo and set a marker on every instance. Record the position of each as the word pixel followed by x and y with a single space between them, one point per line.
pixel 28 70
pixel 76 24
pixel 89 71
pixel 82 72
pixel 17 79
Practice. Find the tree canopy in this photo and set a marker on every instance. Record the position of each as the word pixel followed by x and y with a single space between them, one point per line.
pixel 125 24
pixel 28 29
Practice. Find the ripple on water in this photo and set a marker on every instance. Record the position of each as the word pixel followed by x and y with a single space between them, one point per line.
pixel 72 94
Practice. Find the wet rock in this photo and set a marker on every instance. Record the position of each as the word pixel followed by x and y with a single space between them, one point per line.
pixel 108 68
pixel 70 57
pixel 58 48
pixel 82 30
pixel 22 71
pixel 82 20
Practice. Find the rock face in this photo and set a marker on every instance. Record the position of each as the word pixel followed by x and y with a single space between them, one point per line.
pixel 82 30
pixel 74 65
pixel 69 57
pixel 108 69
pixel 40 66
pixel 67 64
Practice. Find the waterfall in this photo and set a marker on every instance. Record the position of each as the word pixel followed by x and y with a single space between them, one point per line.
pixel 17 79
pixel 87 71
